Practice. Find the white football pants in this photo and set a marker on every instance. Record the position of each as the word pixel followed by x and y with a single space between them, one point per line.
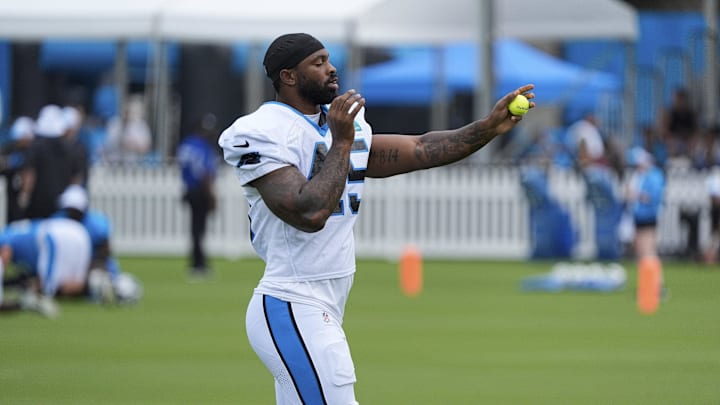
pixel 305 350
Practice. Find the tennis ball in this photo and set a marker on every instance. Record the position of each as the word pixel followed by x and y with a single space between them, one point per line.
pixel 519 106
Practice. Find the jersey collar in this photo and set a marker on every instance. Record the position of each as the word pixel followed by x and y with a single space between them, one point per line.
pixel 321 129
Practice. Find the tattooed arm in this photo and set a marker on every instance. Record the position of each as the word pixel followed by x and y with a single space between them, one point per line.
pixel 396 154
pixel 307 204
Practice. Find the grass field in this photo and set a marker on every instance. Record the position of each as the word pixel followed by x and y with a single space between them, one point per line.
pixel 471 337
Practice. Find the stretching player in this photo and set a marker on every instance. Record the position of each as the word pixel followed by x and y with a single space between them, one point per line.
pixel 302 165
pixel 49 257
pixel 107 284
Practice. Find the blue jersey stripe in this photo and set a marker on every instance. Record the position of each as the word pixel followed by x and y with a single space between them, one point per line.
pixel 292 350
pixel 50 262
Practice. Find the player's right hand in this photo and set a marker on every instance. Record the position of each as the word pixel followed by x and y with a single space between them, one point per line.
pixel 341 115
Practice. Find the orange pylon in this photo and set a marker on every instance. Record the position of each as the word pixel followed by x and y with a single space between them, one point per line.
pixel 411 272
pixel 649 283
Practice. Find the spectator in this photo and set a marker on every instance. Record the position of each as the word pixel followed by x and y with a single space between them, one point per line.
pixel 654 143
pixel 592 148
pixel 198 159
pixel 14 166
pixel 128 136
pixel 50 163
pixel 707 152
pixel 644 194
pixel 598 163
pixel 679 125
pixel 587 142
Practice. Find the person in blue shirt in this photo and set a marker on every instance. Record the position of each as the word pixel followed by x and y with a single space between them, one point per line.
pixel 46 257
pixel 645 190
pixel 198 158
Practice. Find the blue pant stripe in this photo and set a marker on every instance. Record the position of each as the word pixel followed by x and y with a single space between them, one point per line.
pixel 292 350
pixel 50 263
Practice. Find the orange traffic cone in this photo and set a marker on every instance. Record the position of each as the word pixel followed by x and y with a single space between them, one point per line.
pixel 411 273
pixel 649 283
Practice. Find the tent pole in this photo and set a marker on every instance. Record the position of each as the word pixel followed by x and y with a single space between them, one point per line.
pixel 354 61
pixel 629 98
pixel 439 105
pixel 155 107
pixel 710 10
pixel 161 104
pixel 254 80
pixel 484 90
pixel 120 74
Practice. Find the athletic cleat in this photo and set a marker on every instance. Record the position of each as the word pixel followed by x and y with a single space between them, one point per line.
pixel 46 306
pixel 100 287
pixel 127 289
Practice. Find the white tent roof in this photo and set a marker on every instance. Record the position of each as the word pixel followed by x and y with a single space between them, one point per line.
pixel 182 20
pixel 258 20
pixel 435 21
pixel 558 19
pixel 367 22
pixel 77 19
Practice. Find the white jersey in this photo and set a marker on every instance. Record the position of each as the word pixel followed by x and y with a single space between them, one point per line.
pixel 584 131
pixel 56 250
pixel 275 136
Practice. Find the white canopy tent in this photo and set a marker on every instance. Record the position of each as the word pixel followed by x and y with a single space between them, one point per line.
pixel 430 21
pixel 357 23
pixel 366 22
pixel 178 20
pixel 393 22
pixel 32 20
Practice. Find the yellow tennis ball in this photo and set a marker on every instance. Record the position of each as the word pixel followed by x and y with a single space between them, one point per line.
pixel 519 106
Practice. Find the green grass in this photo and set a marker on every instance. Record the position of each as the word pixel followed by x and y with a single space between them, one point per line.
pixel 471 337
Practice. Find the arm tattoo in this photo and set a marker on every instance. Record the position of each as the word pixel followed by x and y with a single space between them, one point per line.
pixel 335 168
pixel 384 156
pixel 443 147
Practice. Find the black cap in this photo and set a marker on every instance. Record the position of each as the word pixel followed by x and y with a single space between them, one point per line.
pixel 286 51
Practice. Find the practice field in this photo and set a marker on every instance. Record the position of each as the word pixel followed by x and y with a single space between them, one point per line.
pixel 471 337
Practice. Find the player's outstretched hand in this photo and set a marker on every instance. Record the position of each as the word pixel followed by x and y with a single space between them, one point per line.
pixel 500 117
pixel 341 115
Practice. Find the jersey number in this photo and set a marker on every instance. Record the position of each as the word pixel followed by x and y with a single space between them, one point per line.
pixel 354 175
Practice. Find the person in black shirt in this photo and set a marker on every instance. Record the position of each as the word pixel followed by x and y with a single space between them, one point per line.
pixel 679 125
pixel 50 163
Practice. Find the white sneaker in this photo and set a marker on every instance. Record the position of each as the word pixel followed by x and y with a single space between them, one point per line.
pixel 100 286
pixel 46 306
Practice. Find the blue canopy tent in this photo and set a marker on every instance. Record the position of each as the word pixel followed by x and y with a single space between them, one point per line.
pixel 411 79
pixel 98 56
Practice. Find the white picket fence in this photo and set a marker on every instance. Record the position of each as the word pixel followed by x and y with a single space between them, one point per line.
pixel 450 212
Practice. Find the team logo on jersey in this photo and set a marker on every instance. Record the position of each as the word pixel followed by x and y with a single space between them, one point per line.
pixel 326 317
pixel 249 159
pixel 358 128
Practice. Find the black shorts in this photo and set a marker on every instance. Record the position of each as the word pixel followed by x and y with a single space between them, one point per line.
pixel 645 224
pixel 715 216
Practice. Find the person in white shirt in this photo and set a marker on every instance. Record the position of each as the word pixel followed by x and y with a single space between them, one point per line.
pixel 302 160
pixel 587 141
